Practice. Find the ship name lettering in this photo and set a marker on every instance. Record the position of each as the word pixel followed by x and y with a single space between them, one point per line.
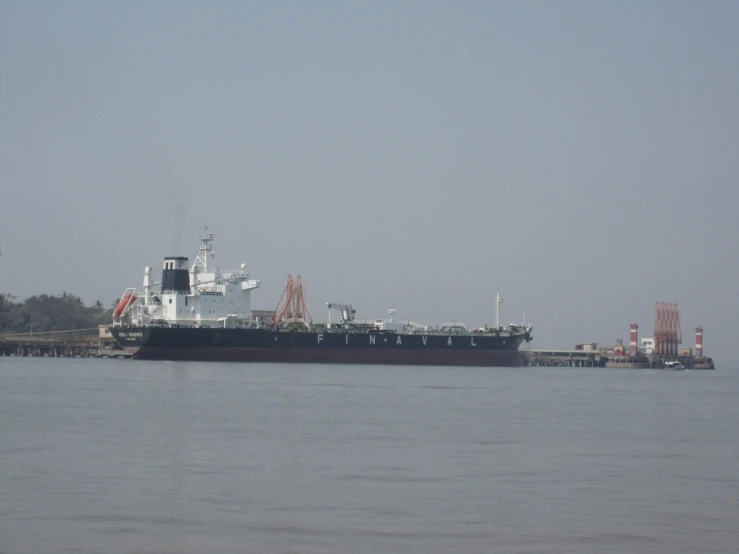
pixel 320 337
pixel 449 341
pixel 424 339
pixel 398 341
pixel 372 339
pixel 472 341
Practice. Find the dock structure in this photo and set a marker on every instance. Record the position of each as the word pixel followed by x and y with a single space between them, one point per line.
pixel 84 346
pixel 556 357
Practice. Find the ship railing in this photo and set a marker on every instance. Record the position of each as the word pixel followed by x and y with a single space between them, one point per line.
pixel 235 274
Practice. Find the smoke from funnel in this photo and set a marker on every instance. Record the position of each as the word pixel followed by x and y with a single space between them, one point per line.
pixel 166 181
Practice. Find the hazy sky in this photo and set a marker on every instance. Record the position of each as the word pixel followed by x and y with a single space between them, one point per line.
pixel 579 157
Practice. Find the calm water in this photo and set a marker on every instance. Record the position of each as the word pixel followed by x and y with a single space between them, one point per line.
pixel 136 457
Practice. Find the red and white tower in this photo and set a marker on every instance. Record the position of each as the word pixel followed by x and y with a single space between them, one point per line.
pixel 633 339
pixel 699 342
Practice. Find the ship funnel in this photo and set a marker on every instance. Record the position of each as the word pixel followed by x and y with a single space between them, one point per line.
pixel 175 275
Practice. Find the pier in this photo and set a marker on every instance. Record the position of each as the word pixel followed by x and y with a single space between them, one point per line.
pixel 60 345
pixel 580 357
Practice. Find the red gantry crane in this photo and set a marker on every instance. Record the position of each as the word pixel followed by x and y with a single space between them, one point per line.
pixel 667 333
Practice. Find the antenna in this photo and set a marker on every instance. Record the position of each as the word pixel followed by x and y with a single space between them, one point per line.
pixel 498 300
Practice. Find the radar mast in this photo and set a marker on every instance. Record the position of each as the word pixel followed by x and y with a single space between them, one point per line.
pixel 204 250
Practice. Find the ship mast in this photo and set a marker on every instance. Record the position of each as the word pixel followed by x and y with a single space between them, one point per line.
pixel 206 248
pixel 498 300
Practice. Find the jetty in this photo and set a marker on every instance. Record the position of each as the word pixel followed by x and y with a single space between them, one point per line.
pixel 82 343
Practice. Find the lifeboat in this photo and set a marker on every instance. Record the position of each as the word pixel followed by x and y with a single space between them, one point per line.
pixel 127 299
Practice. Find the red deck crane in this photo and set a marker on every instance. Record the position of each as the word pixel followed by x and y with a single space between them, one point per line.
pixel 292 308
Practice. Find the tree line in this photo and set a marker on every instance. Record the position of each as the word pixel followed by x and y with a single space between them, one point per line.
pixel 45 312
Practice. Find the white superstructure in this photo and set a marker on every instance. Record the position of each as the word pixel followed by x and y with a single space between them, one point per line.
pixel 199 296
pixel 647 346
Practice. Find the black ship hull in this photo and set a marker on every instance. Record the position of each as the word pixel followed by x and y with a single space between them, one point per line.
pixel 261 345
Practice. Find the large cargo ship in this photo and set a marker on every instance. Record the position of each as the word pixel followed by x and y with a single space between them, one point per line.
pixel 199 312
